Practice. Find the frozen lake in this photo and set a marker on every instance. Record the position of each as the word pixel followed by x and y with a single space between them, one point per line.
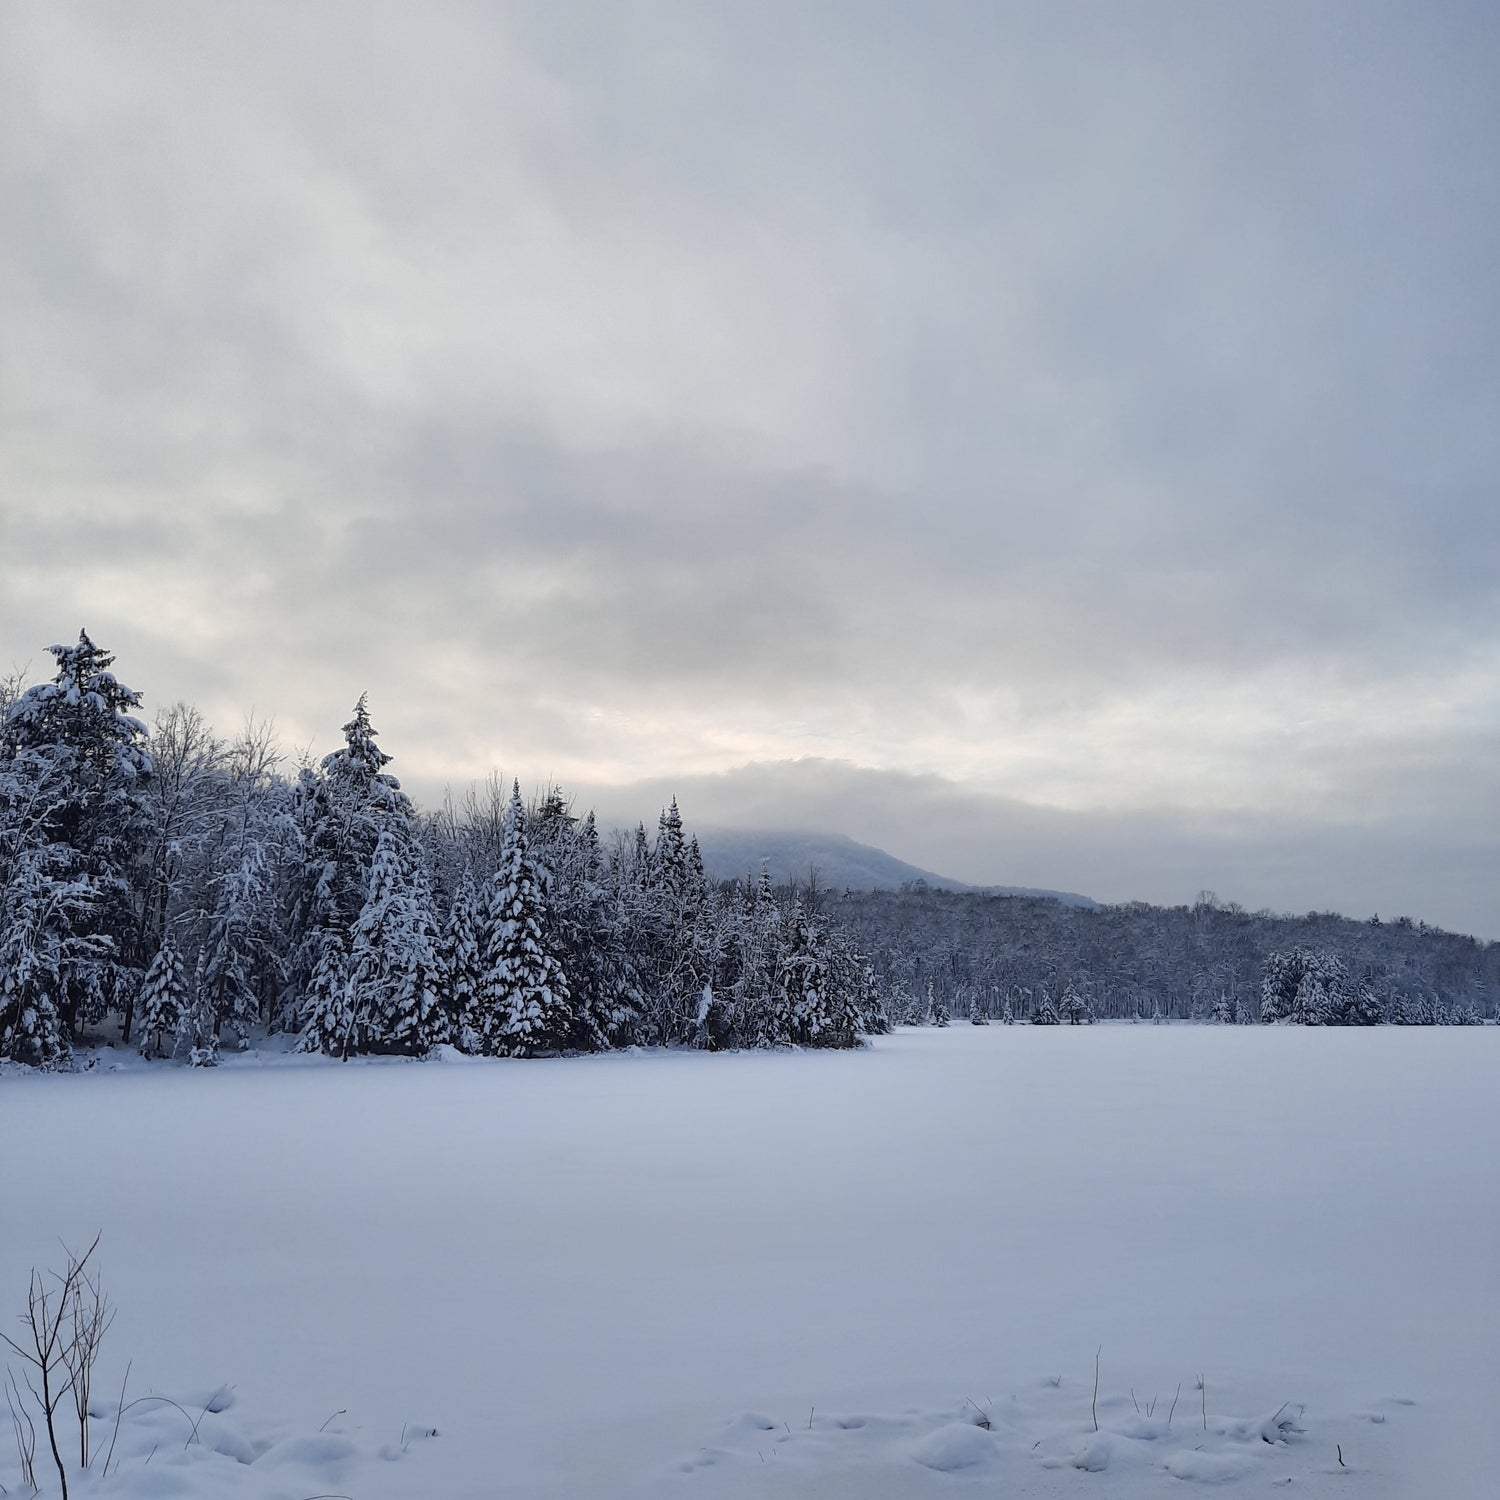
pixel 580 1271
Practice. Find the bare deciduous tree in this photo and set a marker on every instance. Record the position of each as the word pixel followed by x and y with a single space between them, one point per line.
pixel 63 1325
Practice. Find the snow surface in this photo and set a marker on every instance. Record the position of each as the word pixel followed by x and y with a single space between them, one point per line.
pixel 691 1277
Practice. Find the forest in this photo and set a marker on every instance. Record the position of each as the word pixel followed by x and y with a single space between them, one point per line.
pixel 185 893
pixel 182 893
pixel 959 954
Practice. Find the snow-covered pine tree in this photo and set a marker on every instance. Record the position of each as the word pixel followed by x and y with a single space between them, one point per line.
pixel 851 1004
pixel 228 955
pixel 817 1018
pixel 163 997
pixel 585 919
pixel 463 967
pixel 330 1023
pixel 874 1011
pixel 1225 1012
pixel 31 959
pixel 525 987
pixel 420 1018
pixel 1045 1013
pixel 393 959
pixel 669 913
pixel 722 1023
pixel 937 1008
pixel 607 998
pixel 196 1041
pixel 73 776
pixel 1322 991
pixel 1361 1008
pixel 1073 1009
pixel 669 859
pixel 901 1003
pixel 341 812
pixel 1282 975
pixel 783 1016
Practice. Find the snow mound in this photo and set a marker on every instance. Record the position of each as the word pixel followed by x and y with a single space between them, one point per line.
pixel 324 1453
pixel 959 1445
pixel 182 1445
pixel 1014 1445
pixel 1209 1468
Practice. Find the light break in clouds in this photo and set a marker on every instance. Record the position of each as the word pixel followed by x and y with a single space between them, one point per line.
pixel 1077 422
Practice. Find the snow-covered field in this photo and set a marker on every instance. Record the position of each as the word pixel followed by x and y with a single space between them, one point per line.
pixel 692 1277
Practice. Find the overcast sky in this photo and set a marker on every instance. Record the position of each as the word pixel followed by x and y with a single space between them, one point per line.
pixel 1058 443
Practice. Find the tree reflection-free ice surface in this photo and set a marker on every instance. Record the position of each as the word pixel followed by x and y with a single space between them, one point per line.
pixel 647 1274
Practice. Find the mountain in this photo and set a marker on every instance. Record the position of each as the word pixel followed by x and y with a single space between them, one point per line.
pixel 841 863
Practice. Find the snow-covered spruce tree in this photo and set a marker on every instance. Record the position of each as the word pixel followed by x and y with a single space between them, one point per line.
pixel 586 923
pixel 196 1041
pixel 228 956
pixel 1321 991
pixel 807 1012
pixel 463 968
pixel 422 1013
pixel 377 956
pixel 901 1004
pixel 937 1008
pixel 525 987
pixel 1073 1009
pixel 608 997
pixel 854 1006
pixel 329 1022
pixel 1307 987
pixel 163 997
pixel 1045 1013
pixel 1225 1012
pixel 667 915
pixel 720 1011
pixel 669 856
pixel 32 944
pixel 1361 1008
pixel 1282 975
pixel 73 774
pixel 849 993
pixel 757 1019
pixel 394 971
pixel 341 811
pixel 630 935
pixel 873 1007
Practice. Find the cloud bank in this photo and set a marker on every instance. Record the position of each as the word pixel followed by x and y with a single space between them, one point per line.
pixel 1086 408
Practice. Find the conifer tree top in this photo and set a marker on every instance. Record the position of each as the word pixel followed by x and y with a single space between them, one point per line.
pixel 360 748
pixel 84 706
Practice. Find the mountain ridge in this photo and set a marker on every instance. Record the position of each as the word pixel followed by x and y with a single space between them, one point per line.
pixel 840 862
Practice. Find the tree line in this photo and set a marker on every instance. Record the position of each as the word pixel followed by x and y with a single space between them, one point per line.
pixel 181 892
pixel 185 893
pixel 940 954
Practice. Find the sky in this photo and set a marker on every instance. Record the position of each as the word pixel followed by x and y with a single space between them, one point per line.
pixel 1054 442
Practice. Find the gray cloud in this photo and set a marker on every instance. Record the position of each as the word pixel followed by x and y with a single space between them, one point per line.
pixel 1091 405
